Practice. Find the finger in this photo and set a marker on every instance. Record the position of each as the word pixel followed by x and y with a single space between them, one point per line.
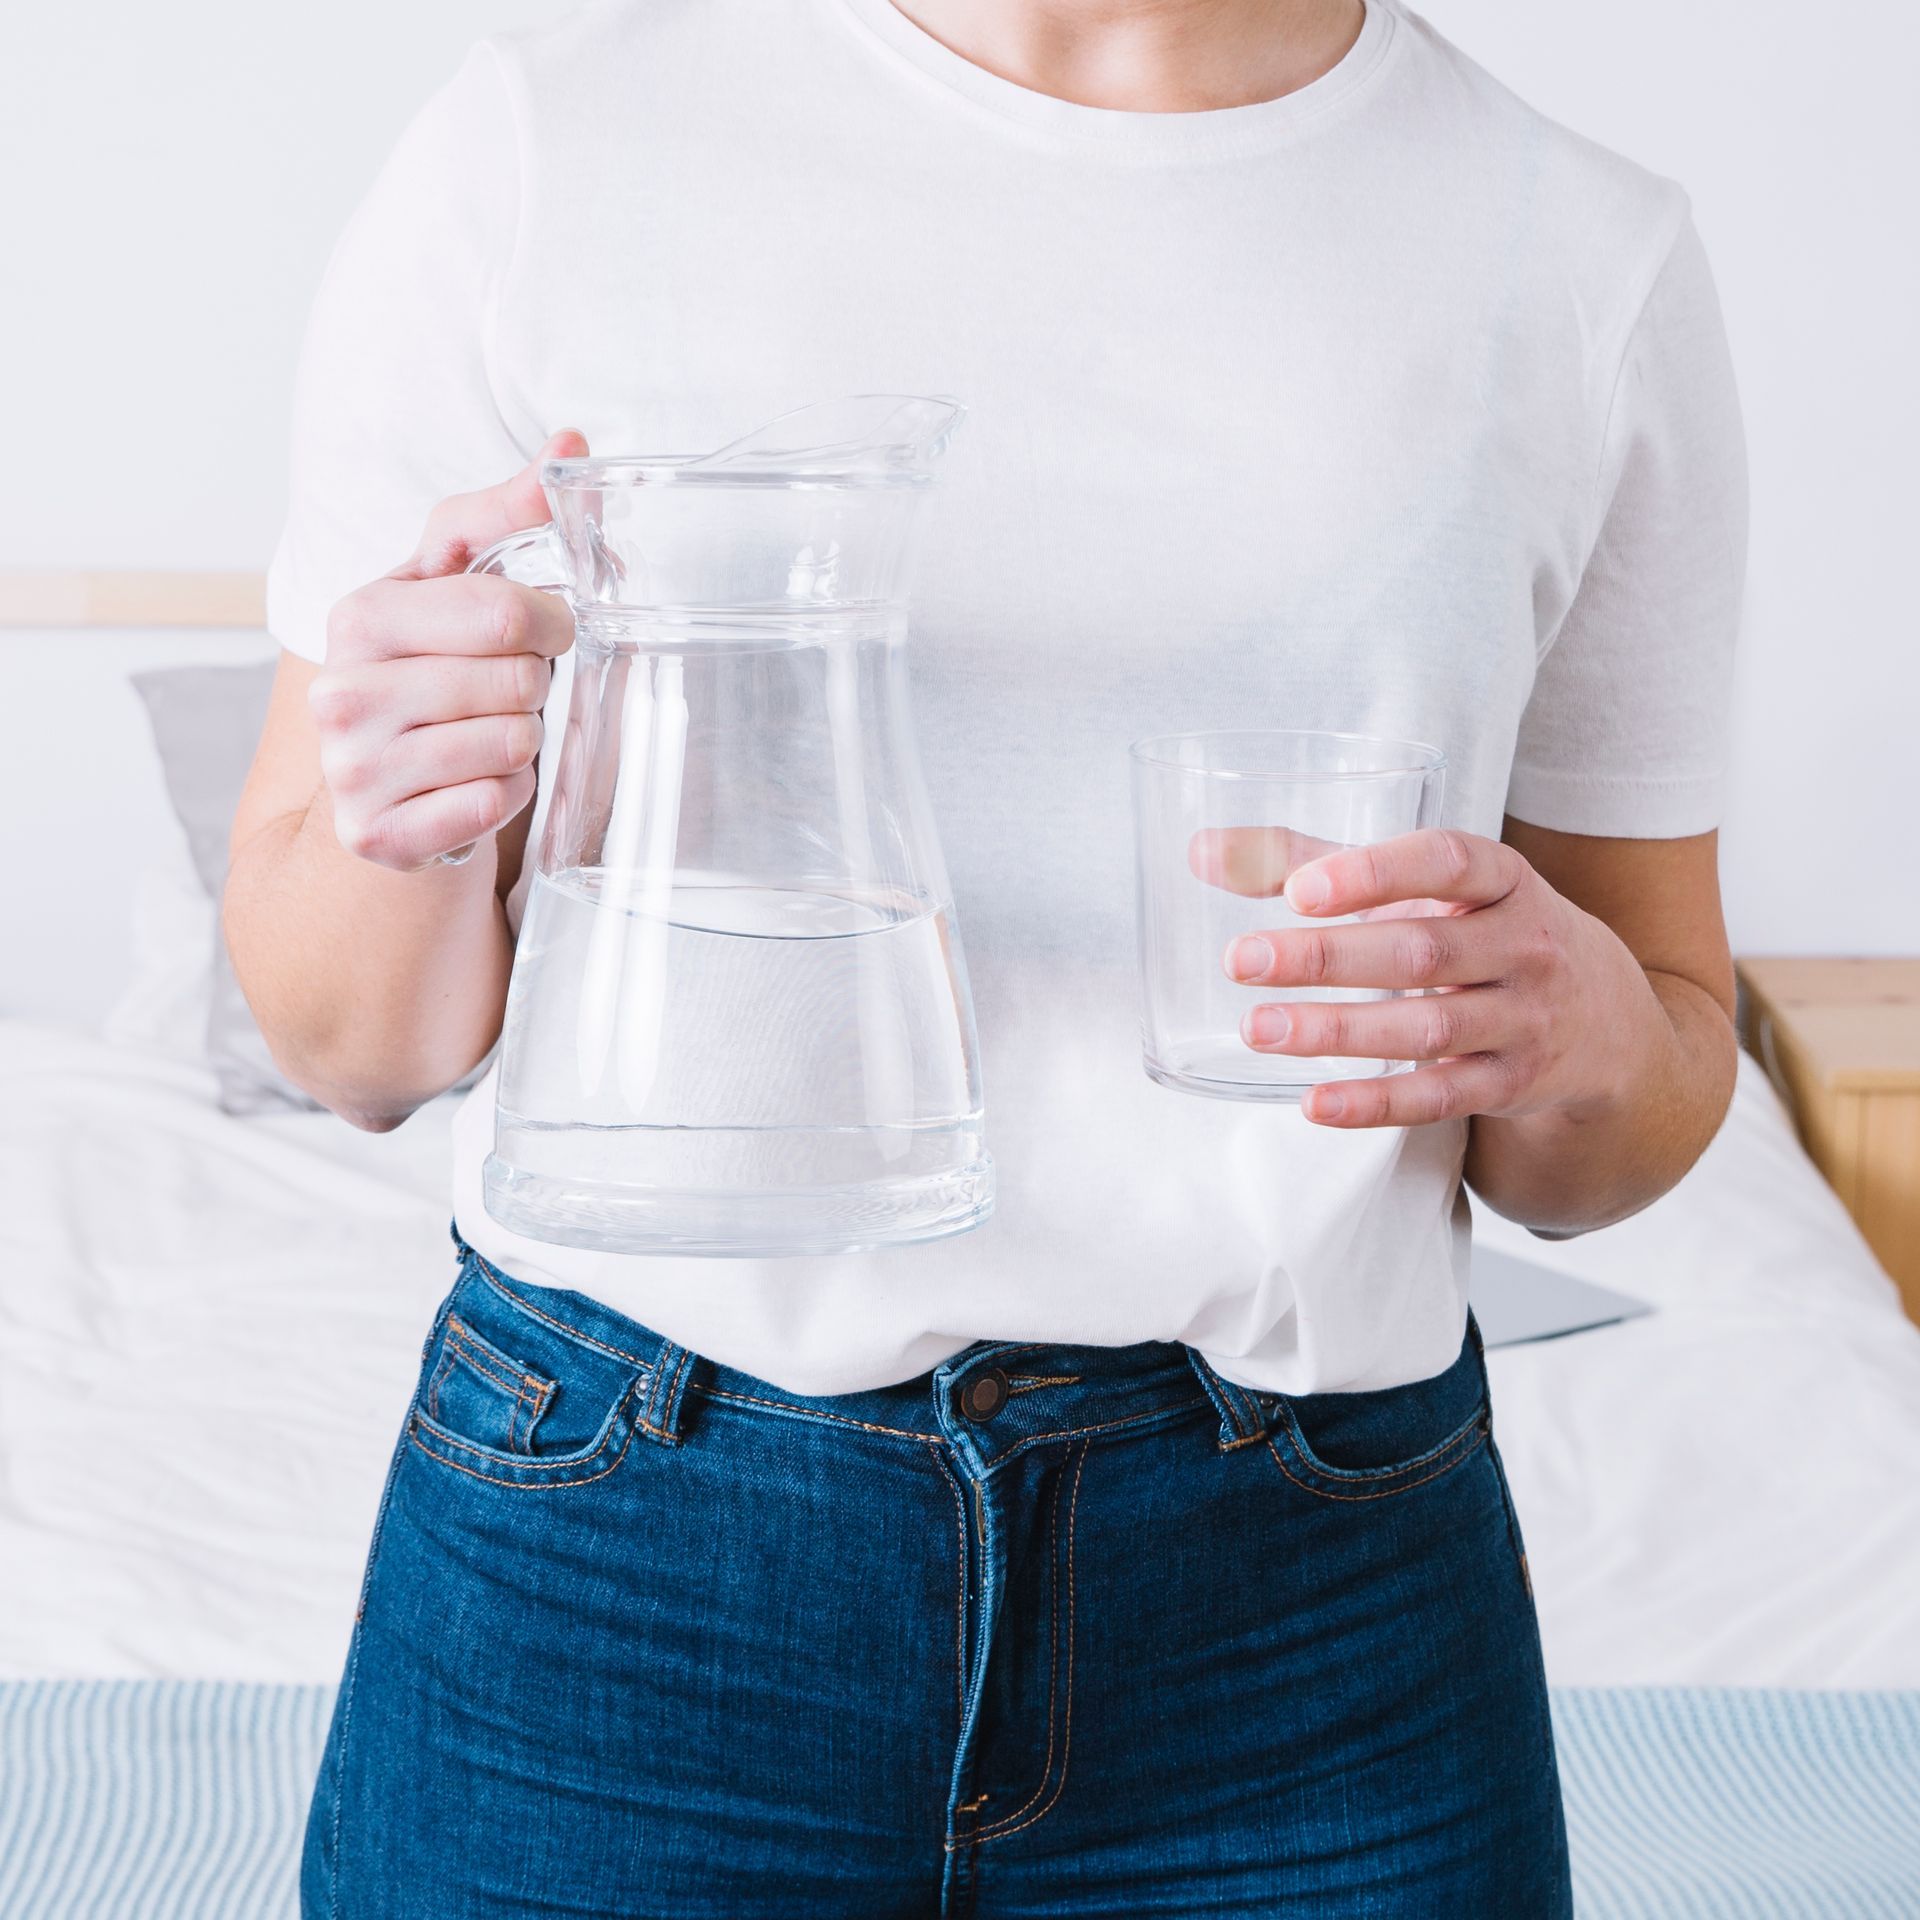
pixel 367 775
pixel 1476 1084
pixel 389 696
pixel 1440 950
pixel 1254 861
pixel 413 833
pixel 455 751
pixel 1437 1026
pixel 466 613
pixel 1438 863
pixel 466 524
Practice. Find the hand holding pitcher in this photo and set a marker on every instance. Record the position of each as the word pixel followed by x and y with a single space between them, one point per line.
pixel 428 707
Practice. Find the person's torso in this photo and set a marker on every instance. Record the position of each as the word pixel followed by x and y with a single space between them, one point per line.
pixel 1282 418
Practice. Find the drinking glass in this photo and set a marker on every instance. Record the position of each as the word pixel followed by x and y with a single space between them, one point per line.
pixel 1220 821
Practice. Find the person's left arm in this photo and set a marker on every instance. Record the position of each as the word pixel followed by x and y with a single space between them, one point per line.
pixel 1583 1018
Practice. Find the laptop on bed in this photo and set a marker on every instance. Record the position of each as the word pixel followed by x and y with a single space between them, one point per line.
pixel 1516 1301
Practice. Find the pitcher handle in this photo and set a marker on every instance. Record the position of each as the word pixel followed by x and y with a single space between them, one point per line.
pixel 533 557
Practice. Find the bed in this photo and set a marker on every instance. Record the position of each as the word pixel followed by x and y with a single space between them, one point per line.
pixel 209 1324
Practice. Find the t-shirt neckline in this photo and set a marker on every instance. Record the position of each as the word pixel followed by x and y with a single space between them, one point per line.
pixel 1144 135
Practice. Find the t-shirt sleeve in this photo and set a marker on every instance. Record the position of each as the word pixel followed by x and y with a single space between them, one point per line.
pixel 393 405
pixel 1625 733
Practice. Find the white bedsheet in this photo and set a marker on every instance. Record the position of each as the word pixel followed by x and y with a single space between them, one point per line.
pixel 209 1327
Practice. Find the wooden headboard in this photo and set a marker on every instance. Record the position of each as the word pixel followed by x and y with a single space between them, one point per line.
pixel 89 598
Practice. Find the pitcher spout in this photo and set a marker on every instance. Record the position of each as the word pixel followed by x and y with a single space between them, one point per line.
pixel 814 511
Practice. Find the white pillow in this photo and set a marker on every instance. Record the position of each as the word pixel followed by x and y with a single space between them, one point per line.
pixel 164 1008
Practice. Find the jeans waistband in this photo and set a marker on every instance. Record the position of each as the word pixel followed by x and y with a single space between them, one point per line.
pixel 990 1400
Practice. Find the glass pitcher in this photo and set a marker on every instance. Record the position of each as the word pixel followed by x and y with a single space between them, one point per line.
pixel 739 1020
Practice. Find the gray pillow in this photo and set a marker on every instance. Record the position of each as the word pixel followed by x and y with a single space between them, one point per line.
pixel 206 722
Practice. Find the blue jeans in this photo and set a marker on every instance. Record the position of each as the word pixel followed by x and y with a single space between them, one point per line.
pixel 1048 1631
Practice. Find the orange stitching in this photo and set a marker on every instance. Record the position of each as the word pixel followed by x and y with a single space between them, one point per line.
pixel 1235 1406
pixel 1246 1414
pixel 1026 1382
pixel 522 1486
pixel 481 1349
pixel 527 1463
pixel 518 1385
pixel 1232 1413
pixel 1053 1650
pixel 554 1466
pixel 960 1580
pixel 679 1372
pixel 657 1379
pixel 1481 1420
pixel 495 1279
pixel 1066 1748
pixel 1385 1493
pixel 815 1413
pixel 457 1349
pixel 1105 1426
pixel 533 1414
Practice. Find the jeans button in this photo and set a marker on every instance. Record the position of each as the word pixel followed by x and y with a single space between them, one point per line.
pixel 984 1395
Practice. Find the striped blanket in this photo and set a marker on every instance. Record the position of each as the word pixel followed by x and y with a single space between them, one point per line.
pixel 163 1800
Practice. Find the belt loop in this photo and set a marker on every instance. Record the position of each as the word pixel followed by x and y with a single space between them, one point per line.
pixel 666 1393
pixel 1241 1421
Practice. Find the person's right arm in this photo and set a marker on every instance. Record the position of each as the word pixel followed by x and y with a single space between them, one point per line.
pixel 378 973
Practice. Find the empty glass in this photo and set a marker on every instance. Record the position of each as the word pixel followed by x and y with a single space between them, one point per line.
pixel 739 1020
pixel 1221 820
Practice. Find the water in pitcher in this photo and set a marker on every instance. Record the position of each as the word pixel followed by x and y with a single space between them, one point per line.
pixel 709 1035
pixel 738 1023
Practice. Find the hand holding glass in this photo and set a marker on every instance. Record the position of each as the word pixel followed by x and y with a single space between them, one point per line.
pixel 1221 821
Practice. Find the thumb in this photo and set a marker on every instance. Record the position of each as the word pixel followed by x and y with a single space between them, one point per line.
pixel 466 524
pixel 521 502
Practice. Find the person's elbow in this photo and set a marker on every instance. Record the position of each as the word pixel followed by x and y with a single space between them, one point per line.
pixel 374 1065
pixel 371 1085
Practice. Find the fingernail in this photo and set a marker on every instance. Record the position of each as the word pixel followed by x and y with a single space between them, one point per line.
pixel 1309 889
pixel 1328 1105
pixel 1249 957
pixel 1266 1027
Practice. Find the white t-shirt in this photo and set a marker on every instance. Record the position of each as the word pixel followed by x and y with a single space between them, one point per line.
pixel 1388 407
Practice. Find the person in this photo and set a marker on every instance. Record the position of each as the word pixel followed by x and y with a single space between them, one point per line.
pixel 1146 1550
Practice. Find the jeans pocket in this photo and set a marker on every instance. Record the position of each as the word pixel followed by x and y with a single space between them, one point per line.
pixel 474 1388
pixel 1368 1446
pixel 509 1394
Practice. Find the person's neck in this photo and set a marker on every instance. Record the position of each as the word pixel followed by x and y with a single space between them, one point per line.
pixel 1147 56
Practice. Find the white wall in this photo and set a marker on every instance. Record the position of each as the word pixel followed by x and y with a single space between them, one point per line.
pixel 1795 131
pixel 176 176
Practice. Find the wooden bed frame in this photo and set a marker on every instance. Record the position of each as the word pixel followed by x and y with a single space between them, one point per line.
pixel 89 598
